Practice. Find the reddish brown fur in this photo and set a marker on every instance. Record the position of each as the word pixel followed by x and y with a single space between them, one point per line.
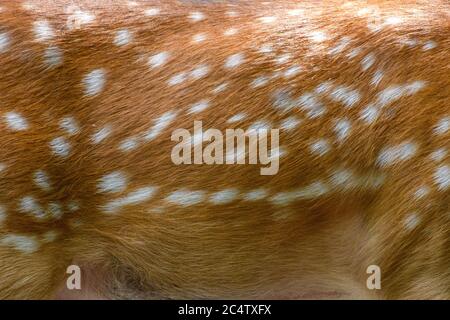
pixel 241 249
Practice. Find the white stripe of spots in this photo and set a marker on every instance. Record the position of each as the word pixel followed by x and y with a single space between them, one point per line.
pixel 442 177
pixel 101 134
pixel 234 61
pixel 4 42
pixel 345 95
pixel 113 182
pixel 60 147
pixel 94 82
pixel 393 93
pixel 53 56
pixel 237 117
pixel 395 154
pixel 342 129
pixel 442 126
pixel 185 197
pixel 312 191
pixel 255 195
pixel 224 196
pixel 25 244
pixel 29 205
pixel 196 16
pixel 368 61
pixel 43 31
pixel 69 125
pixel 15 121
pixel 161 123
pixel 290 123
pixel 199 106
pixel 42 180
pixel 320 147
pixel 133 198
pixel 158 60
pixel 411 221
pixel 123 37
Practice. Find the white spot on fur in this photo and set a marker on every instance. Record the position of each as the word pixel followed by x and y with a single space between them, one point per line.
pixel 442 177
pixel 411 221
pixel 324 87
pixel 94 82
pixel 368 61
pixel 345 95
pixel 196 16
pixel 60 146
pixel 224 196
pixel 151 12
pixel 77 18
pixel 123 37
pixel 265 49
pixel 133 198
pixel 422 192
pixel 4 42
pixel 318 36
pixel 49 236
pixel 255 195
pixel 29 205
pixel 129 144
pixel 200 72
pixel 234 60
pixel 438 155
pixel 158 59
pixel 101 134
pixel 377 77
pixel 342 44
pixel 442 126
pixel 160 124
pixel 73 206
pixel 43 31
pixel 393 155
pixel 292 71
pixel 53 56
pixel 284 58
pixel 2 214
pixel 220 88
pixel 199 37
pixel 259 82
pixel 41 180
pixel 238 117
pixel 369 114
pixel 55 209
pixel 320 147
pixel 185 197
pixel 290 123
pixel 15 121
pixel 177 79
pixel 342 129
pixel 312 191
pixel 230 32
pixel 199 106
pixel 69 125
pixel 354 53
pixel 25 244
pixel 429 45
pixel 113 182
pixel 270 19
pixel 310 103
